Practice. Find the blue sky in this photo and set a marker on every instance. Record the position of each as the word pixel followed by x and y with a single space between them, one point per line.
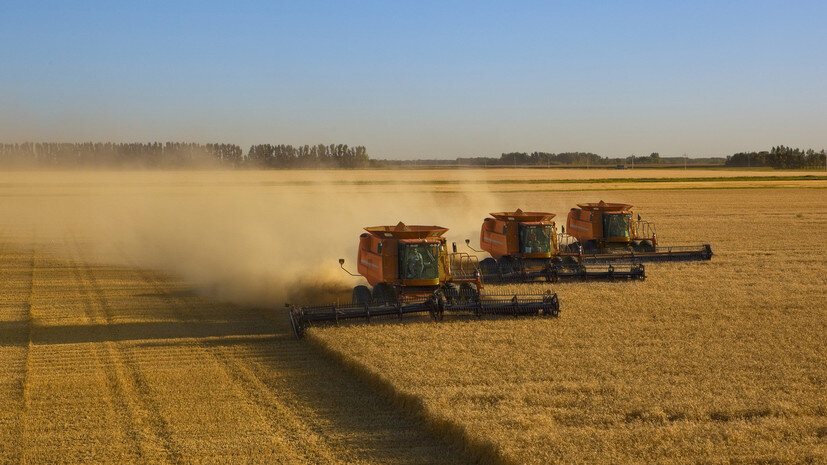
pixel 420 79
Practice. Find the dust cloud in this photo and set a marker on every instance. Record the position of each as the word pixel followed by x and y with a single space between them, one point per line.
pixel 261 243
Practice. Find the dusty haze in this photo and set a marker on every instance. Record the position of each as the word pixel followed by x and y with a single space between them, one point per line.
pixel 269 237
pixel 242 237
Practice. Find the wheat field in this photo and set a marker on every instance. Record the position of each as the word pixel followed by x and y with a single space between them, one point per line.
pixel 715 362
pixel 142 321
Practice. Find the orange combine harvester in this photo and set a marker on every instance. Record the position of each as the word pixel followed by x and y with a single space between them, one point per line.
pixel 609 231
pixel 525 246
pixel 412 271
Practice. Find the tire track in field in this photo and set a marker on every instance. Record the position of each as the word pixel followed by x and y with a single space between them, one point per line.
pixel 270 373
pixel 272 414
pixel 15 344
pixel 139 414
pixel 81 407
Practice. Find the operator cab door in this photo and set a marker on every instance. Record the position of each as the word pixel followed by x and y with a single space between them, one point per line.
pixel 616 227
pixel 419 262
pixel 536 240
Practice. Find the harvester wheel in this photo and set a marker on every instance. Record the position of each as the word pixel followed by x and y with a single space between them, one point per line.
pixel 451 293
pixel 384 293
pixel 590 246
pixel 468 293
pixel 488 266
pixel 361 295
pixel 646 246
pixel 506 264
pixel 437 310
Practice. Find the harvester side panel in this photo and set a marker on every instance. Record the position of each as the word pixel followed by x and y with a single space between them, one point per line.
pixel 493 237
pixel 390 260
pixel 370 263
pixel 583 225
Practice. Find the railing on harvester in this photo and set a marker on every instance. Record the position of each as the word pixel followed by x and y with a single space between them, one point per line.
pixel 463 265
pixel 644 229
pixel 564 242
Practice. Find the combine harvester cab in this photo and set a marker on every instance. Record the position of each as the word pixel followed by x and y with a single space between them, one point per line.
pixel 606 232
pixel 411 271
pixel 525 247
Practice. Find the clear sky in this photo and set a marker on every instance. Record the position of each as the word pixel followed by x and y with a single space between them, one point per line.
pixel 420 79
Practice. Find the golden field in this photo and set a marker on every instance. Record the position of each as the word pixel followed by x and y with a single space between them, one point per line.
pixel 724 361
pixel 142 320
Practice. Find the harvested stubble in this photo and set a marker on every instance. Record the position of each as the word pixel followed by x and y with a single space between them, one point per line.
pixel 104 364
pixel 703 362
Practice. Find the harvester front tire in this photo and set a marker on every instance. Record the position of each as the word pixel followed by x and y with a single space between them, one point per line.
pixel 450 292
pixel 468 293
pixel 646 246
pixel 488 266
pixel 384 293
pixel 361 295
pixel 590 247
pixel 506 264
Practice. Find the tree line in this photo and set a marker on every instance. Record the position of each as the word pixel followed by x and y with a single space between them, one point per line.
pixel 180 155
pixel 578 159
pixel 263 156
pixel 780 157
pixel 307 156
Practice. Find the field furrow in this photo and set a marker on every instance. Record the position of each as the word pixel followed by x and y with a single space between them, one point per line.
pixel 16 282
pixel 295 398
pixel 127 365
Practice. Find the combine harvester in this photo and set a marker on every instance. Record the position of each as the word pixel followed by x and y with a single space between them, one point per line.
pixel 606 232
pixel 525 247
pixel 411 271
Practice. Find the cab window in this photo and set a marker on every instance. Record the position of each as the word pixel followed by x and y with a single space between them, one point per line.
pixel 419 261
pixel 535 238
pixel 616 225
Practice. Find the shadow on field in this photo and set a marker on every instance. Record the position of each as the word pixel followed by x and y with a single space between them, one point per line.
pixel 356 418
pixel 10 331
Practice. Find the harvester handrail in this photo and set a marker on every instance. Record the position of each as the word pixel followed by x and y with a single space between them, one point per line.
pixel 645 229
pixel 463 264
pixel 565 239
